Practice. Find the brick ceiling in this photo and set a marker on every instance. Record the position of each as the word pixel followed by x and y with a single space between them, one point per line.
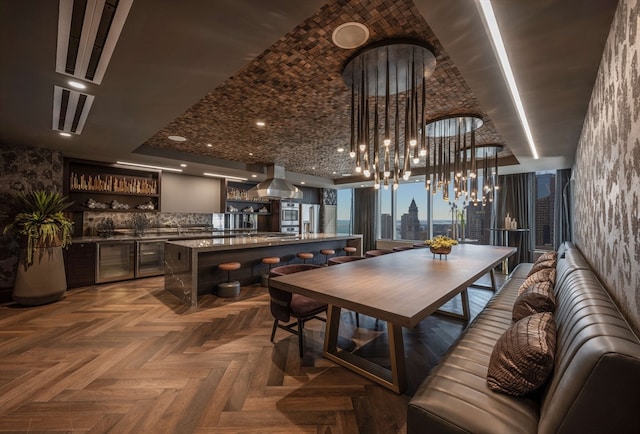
pixel 296 87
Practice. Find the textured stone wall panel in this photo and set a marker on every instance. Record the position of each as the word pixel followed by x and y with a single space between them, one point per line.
pixel 607 168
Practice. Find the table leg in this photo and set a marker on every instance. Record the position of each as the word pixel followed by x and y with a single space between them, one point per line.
pixel 394 379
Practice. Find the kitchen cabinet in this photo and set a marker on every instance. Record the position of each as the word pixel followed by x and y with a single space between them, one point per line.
pixel 80 264
pixel 97 187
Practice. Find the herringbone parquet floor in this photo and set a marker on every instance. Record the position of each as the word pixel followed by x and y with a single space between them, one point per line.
pixel 129 358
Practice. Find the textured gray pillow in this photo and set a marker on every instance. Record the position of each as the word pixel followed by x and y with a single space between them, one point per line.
pixel 544 275
pixel 535 299
pixel 523 356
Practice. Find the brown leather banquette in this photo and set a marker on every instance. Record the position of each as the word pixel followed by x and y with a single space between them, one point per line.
pixel 594 386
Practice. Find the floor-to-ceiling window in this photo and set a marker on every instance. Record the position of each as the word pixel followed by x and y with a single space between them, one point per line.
pixel 545 196
pixel 344 223
pixel 386 226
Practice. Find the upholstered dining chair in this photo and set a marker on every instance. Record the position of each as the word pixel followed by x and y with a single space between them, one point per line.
pixel 377 252
pixel 286 305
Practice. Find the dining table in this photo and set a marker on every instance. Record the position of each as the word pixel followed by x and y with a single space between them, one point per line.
pixel 400 288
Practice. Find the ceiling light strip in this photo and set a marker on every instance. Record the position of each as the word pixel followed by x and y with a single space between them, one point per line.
pixel 215 175
pixel 125 163
pixel 498 45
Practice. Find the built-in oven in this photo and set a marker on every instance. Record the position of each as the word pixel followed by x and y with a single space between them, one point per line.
pixel 290 217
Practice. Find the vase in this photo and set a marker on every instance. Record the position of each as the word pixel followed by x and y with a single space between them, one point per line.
pixel 440 251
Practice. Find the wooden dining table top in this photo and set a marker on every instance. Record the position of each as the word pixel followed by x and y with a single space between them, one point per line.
pixel 402 287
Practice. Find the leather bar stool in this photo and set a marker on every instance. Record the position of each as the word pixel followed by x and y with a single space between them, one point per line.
pixel 327 253
pixel 271 260
pixel 229 288
pixel 350 250
pixel 304 256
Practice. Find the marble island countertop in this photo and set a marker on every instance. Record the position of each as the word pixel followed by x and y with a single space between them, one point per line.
pixel 257 240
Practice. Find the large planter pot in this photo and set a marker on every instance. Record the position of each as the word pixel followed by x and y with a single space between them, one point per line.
pixel 43 282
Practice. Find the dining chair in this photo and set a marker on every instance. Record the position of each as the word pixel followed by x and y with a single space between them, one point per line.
pixel 286 305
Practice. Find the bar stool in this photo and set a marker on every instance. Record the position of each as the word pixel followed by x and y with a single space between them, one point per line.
pixel 229 288
pixel 271 260
pixel 377 252
pixel 350 250
pixel 327 253
pixel 304 256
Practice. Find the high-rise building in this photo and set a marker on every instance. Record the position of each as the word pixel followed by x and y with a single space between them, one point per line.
pixel 410 224
pixel 386 226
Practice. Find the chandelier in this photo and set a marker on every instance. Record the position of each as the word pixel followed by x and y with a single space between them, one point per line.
pixel 456 160
pixel 388 99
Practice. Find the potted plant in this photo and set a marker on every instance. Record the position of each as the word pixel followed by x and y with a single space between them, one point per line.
pixel 36 219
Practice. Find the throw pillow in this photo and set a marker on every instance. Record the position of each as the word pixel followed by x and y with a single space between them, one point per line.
pixel 547 256
pixel 523 356
pixel 544 275
pixel 540 265
pixel 537 298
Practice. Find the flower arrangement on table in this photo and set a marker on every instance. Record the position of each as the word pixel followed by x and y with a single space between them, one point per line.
pixel 441 244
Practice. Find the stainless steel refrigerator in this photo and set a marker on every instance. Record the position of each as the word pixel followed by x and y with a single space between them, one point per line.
pixel 310 219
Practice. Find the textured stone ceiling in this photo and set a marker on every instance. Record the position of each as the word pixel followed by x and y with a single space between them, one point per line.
pixel 296 87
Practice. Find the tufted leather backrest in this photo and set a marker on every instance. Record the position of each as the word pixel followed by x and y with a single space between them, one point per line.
pixel 595 387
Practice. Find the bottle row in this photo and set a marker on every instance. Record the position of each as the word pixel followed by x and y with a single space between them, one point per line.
pixel 113 184
pixel 239 194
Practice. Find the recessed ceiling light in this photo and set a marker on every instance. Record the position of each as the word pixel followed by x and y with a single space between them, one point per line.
pixel 260 123
pixel 171 169
pixel 340 149
pixel 77 84
pixel 254 175
pixel 302 182
pixel 251 153
pixel 209 145
pixel 177 138
pixel 65 134
pixel 334 172
pixel 313 167
pixel 350 35
pixel 183 165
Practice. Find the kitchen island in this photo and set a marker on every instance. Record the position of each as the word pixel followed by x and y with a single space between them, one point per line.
pixel 191 266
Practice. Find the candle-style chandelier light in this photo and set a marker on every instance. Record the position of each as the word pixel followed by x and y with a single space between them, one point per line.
pixel 388 100
pixel 389 135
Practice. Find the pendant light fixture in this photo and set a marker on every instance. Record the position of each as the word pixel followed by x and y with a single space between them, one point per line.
pixel 388 100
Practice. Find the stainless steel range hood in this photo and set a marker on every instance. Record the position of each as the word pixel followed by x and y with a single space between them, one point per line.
pixel 275 186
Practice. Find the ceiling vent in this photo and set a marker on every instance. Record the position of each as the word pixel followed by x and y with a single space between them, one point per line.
pixel 70 109
pixel 88 31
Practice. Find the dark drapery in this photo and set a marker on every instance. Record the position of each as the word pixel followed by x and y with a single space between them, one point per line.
pixel 516 197
pixel 562 204
pixel 364 216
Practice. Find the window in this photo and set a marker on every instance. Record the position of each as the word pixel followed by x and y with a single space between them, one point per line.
pixel 344 220
pixel 545 196
pixel 411 212
pixel 386 218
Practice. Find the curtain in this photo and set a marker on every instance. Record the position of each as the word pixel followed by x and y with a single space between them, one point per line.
pixel 562 221
pixel 517 198
pixel 364 216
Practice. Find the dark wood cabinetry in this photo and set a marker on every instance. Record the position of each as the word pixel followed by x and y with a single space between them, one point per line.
pixel 80 264
pixel 108 187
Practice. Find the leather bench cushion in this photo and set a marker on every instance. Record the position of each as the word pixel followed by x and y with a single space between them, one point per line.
pixel 521 271
pixel 455 397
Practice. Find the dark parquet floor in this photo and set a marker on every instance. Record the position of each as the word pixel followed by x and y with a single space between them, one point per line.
pixel 127 357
